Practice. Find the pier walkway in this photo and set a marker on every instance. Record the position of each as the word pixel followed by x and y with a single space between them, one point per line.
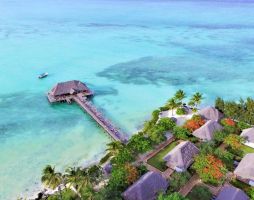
pixel 77 91
pixel 115 133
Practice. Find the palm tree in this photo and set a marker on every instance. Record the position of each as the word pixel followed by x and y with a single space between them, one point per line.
pixel 113 149
pixel 50 178
pixel 180 95
pixel 172 104
pixel 196 99
pixel 77 177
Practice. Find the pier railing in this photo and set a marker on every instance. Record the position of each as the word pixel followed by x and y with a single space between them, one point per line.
pixel 115 133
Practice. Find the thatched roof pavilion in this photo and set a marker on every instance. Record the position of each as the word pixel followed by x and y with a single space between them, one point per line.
pixel 147 187
pixel 248 134
pixel 206 131
pixel 211 113
pixel 181 157
pixel 62 90
pixel 232 193
pixel 245 169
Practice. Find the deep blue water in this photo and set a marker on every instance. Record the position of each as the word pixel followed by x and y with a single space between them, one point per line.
pixel 133 54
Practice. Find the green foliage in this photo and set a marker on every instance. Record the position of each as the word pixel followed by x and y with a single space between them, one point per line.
pixel 149 124
pixel 142 170
pixel 157 135
pixel 209 168
pixel 95 173
pixel 200 192
pixel 87 193
pixel 181 132
pixel 77 177
pixel 242 110
pixel 173 104
pixel 234 141
pixel 196 100
pixel 113 149
pixel 138 143
pixel 242 125
pixel 219 104
pixel 166 124
pixel 180 95
pixel 64 195
pixel 123 157
pixel 50 178
pixel 122 176
pixel 219 136
pixel 178 180
pixel 108 193
pixel 226 157
pixel 173 196
pixel 243 186
pixel 180 111
pixel 251 193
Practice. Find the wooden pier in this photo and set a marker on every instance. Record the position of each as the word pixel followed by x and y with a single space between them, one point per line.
pixel 115 133
pixel 78 92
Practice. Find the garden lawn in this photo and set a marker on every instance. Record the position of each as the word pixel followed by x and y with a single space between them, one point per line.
pixel 247 149
pixel 157 160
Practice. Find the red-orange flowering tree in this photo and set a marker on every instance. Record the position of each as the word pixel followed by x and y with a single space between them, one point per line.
pixel 210 168
pixel 228 122
pixel 194 123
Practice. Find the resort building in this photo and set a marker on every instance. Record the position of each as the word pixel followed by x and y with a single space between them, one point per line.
pixel 206 131
pixel 232 193
pixel 248 135
pixel 147 187
pixel 63 90
pixel 211 113
pixel 181 157
pixel 245 170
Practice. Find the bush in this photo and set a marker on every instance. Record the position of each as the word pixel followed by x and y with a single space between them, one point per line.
pixel 173 196
pixel 123 157
pixel 226 157
pixel 234 141
pixel 242 125
pixel 166 124
pixel 181 133
pixel 178 180
pixel 200 192
pixel 138 143
pixel 180 111
pixel 219 136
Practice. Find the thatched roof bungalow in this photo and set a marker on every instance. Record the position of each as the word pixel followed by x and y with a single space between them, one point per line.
pixel 211 113
pixel 248 135
pixel 245 170
pixel 147 187
pixel 206 131
pixel 63 89
pixel 232 193
pixel 181 157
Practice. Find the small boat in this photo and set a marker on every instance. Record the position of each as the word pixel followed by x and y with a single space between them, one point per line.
pixel 43 75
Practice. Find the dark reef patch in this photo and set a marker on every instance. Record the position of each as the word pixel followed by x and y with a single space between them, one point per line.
pixel 168 70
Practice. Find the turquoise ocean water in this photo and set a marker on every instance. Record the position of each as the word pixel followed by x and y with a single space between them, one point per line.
pixel 133 54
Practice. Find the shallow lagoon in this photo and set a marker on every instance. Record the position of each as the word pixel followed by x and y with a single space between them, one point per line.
pixel 133 54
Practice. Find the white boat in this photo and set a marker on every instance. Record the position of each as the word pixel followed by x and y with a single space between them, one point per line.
pixel 43 75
